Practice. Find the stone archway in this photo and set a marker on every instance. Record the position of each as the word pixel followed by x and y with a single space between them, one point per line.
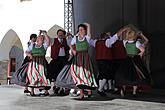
pixel 10 48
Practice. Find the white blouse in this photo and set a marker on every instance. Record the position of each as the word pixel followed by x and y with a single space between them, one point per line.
pixel 29 49
pixel 138 44
pixel 74 39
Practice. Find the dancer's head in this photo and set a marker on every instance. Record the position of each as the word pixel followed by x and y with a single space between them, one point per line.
pixel 82 29
pixel 103 35
pixel 61 33
pixel 40 39
pixel 33 37
pixel 131 35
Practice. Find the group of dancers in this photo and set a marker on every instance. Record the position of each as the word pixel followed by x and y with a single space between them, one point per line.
pixel 118 59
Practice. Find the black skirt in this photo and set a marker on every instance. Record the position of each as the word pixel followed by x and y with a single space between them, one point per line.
pixel 132 72
pixel 55 66
pixel 64 79
pixel 26 60
pixel 105 69
pixel 116 65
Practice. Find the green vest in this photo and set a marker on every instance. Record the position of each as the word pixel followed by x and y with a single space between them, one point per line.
pixel 81 45
pixel 131 48
pixel 38 51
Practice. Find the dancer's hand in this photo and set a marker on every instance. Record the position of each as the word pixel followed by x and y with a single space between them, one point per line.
pixel 42 31
pixel 74 52
pixel 108 33
pixel 30 56
pixel 87 24
pixel 141 54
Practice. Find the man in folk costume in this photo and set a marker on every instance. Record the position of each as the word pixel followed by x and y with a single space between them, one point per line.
pixel 59 55
pixel 104 60
pixel 119 55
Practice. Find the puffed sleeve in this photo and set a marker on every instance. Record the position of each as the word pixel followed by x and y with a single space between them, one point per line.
pixel 30 47
pixel 111 40
pixel 92 42
pixel 124 42
pixel 46 45
pixel 73 40
pixel 138 44
pixel 88 38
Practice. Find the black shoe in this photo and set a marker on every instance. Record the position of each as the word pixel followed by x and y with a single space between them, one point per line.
pixel 54 87
pixel 32 94
pixel 89 95
pixel 109 90
pixel 103 94
pixel 46 94
pixel 134 95
pixel 40 90
pixel 56 90
pixel 116 91
pixel 61 93
pixel 27 91
pixel 81 98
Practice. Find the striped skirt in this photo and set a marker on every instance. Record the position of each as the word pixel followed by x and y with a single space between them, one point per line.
pixel 37 71
pixel 82 71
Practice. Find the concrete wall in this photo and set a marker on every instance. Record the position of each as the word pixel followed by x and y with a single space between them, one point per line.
pixel 3 71
pixel 16 53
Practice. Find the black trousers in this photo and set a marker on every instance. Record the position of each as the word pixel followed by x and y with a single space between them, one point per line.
pixel 55 67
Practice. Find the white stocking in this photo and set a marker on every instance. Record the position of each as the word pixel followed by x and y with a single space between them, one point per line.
pixel 101 84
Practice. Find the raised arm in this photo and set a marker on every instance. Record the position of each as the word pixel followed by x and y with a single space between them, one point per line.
pixel 140 47
pixel 47 39
pixel 73 45
pixel 120 32
pixel 142 50
pixel 28 51
pixel 88 29
pixel 144 37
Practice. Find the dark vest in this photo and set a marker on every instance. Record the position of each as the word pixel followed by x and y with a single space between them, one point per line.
pixel 103 52
pixel 131 48
pixel 55 48
pixel 118 50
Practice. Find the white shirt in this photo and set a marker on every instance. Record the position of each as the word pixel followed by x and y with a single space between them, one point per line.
pixel 111 40
pixel 69 39
pixel 62 50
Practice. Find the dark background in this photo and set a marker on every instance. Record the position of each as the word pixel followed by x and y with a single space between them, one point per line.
pixel 111 15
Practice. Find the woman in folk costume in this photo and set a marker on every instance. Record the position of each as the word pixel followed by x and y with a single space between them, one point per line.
pixel 132 71
pixel 20 76
pixel 37 67
pixel 81 68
